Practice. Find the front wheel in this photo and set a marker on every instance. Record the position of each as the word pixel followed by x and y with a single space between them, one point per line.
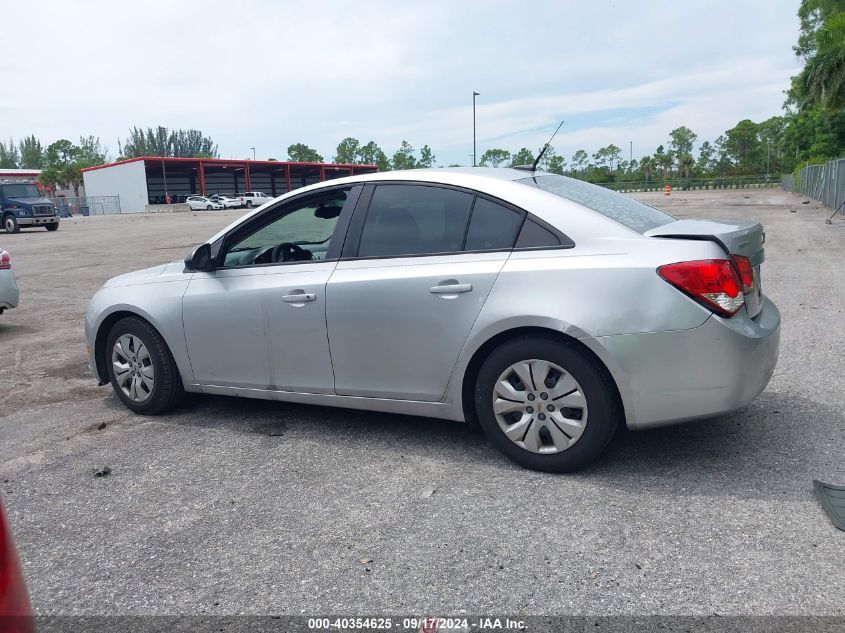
pixel 208 208
pixel 545 405
pixel 141 368
pixel 52 227
pixel 10 224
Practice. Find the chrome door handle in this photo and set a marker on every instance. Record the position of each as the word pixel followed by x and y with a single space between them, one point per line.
pixel 450 289
pixel 301 297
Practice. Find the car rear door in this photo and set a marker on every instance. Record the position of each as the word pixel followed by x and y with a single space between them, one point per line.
pixel 412 281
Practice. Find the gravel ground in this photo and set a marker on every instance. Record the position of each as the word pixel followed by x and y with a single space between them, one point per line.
pixel 232 506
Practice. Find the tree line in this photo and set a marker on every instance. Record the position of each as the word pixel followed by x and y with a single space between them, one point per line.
pixel 61 163
pixel 747 148
pixel 350 151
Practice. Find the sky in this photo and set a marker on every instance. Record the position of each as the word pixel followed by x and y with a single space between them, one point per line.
pixel 266 74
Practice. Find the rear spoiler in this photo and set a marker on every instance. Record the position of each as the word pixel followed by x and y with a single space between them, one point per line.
pixel 735 239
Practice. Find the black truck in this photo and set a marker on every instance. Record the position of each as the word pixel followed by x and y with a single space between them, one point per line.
pixel 22 205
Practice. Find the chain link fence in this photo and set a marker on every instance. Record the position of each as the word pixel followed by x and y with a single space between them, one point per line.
pixel 825 183
pixel 87 205
pixel 690 184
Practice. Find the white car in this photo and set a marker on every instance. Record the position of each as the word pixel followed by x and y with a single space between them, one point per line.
pixel 201 202
pixel 8 287
pixel 228 202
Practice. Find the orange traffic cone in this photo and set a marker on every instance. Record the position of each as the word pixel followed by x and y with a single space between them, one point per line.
pixel 667 190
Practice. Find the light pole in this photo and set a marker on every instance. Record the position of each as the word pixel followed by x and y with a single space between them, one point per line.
pixel 767 160
pixel 253 152
pixel 631 153
pixel 474 150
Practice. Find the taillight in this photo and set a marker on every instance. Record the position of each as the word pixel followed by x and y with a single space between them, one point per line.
pixel 5 260
pixel 714 283
pixel 746 273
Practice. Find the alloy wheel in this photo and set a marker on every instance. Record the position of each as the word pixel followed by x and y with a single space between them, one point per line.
pixel 133 368
pixel 539 406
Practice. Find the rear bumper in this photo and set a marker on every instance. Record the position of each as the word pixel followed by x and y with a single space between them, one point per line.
pixel 718 367
pixel 38 220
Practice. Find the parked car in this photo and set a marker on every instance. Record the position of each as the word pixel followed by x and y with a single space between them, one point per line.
pixel 201 202
pixel 15 610
pixel 228 202
pixel 548 309
pixel 8 286
pixel 251 199
pixel 22 205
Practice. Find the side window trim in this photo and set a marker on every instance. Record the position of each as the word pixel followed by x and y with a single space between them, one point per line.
pixel 268 216
pixel 356 225
pixel 469 222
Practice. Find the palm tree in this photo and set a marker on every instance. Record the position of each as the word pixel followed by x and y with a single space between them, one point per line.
pixel 646 165
pixel 824 73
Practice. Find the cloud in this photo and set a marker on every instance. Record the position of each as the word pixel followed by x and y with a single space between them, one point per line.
pixel 267 74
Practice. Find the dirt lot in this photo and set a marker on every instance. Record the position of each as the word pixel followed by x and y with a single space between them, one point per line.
pixel 232 506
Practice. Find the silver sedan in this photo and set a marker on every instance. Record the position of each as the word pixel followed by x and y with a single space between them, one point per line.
pixel 8 286
pixel 544 309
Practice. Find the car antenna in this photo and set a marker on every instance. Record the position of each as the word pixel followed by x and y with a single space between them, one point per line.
pixel 548 144
pixel 545 147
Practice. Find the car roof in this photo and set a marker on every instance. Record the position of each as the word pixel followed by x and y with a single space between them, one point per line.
pixel 570 217
pixel 445 174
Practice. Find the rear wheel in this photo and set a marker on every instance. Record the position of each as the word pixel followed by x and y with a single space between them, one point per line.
pixel 10 223
pixel 545 405
pixel 141 368
pixel 249 204
pixel 52 227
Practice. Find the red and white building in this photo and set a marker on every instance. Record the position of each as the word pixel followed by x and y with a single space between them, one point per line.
pixel 150 179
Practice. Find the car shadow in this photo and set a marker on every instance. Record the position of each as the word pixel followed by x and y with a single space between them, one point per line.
pixel 770 450
pixel 11 330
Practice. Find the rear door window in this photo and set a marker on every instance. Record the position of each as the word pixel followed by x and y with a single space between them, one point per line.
pixel 492 226
pixel 414 220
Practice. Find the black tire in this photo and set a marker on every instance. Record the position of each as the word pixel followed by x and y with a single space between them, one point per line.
pixel 249 204
pixel 10 223
pixel 208 208
pixel 603 412
pixel 167 389
pixel 52 227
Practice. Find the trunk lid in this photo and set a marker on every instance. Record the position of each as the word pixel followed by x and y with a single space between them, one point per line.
pixel 736 239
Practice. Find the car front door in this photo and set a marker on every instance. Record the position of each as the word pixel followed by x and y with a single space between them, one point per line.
pixel 258 320
pixel 416 271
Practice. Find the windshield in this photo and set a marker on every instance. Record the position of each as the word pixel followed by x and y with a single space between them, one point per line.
pixel 20 191
pixel 629 212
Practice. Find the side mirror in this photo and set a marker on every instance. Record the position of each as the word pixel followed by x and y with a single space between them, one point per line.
pixel 200 258
pixel 327 213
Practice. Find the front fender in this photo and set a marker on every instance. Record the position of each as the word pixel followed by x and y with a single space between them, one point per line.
pixel 158 303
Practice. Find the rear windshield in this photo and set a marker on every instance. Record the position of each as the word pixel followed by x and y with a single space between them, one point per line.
pixel 629 212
